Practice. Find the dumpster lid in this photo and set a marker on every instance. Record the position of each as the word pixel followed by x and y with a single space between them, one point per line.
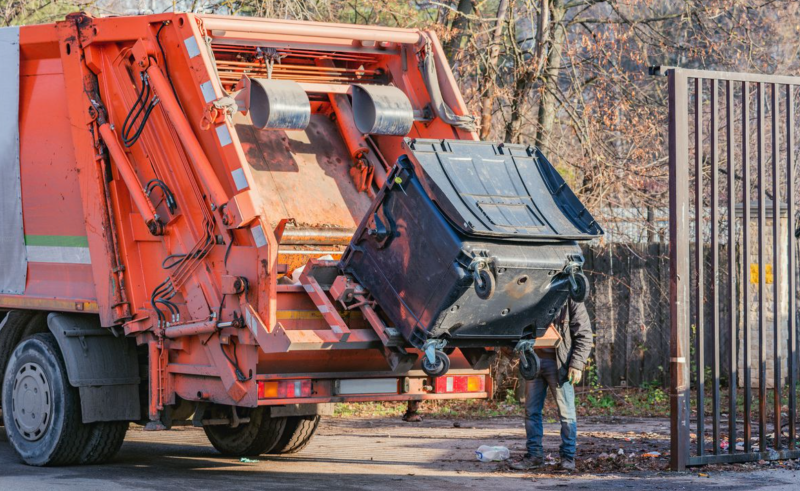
pixel 500 190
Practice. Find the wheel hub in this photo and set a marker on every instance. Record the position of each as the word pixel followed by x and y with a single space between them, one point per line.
pixel 31 401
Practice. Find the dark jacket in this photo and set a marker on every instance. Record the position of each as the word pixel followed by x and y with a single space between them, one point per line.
pixel 576 330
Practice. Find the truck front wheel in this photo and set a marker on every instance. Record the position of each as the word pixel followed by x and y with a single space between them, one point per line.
pixel 41 410
pixel 257 436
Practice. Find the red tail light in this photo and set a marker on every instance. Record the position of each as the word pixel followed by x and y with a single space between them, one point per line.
pixel 459 384
pixel 284 389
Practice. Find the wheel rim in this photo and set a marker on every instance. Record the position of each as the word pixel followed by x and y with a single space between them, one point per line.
pixel 433 367
pixel 31 401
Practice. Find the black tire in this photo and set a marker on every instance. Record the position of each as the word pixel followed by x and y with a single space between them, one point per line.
pixel 104 442
pixel 485 288
pixel 297 435
pixel 581 292
pixel 36 380
pixel 256 437
pixel 530 371
pixel 439 367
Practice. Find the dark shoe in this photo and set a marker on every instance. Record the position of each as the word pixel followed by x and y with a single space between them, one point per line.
pixel 412 418
pixel 567 464
pixel 527 462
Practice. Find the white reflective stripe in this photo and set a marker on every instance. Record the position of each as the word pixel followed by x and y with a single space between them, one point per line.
pixel 224 135
pixel 239 179
pixel 258 236
pixel 61 255
pixel 191 46
pixel 449 384
pixel 367 386
pixel 322 309
pixel 13 263
pixel 208 91
pixel 308 288
pixel 250 322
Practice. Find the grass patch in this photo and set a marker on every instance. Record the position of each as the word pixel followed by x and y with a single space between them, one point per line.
pixel 638 402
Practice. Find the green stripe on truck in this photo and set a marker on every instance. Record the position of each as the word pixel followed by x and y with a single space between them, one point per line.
pixel 57 240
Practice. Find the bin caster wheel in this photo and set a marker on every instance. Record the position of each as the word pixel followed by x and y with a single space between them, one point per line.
pixel 529 365
pixel 579 288
pixel 485 287
pixel 440 366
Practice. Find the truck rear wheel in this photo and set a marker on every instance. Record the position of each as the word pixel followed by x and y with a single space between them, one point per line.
pixel 41 411
pixel 297 435
pixel 104 442
pixel 255 437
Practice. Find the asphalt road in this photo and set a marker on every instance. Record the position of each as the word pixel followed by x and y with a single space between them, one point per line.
pixel 365 455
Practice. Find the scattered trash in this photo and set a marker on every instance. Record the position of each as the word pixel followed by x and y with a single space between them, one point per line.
pixel 456 424
pixel 249 461
pixel 702 474
pixel 605 456
pixel 485 453
pixel 621 452
pixel 652 455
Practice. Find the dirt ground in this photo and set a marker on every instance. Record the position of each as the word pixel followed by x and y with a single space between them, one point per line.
pixel 358 453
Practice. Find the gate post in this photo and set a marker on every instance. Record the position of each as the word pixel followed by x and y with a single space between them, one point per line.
pixel 679 268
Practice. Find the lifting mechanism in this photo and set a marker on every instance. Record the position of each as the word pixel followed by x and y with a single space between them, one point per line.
pixel 286 214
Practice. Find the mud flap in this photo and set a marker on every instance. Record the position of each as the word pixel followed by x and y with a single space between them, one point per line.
pixel 103 367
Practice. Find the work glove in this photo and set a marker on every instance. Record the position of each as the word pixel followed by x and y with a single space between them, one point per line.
pixel 575 376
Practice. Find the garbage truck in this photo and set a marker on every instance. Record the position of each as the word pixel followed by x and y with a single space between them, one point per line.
pixel 233 223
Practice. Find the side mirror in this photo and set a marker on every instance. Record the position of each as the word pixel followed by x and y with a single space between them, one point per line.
pixel 274 104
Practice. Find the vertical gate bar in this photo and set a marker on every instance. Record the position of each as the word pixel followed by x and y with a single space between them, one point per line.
pixel 791 266
pixel 734 308
pixel 714 297
pixel 679 268
pixel 762 305
pixel 776 267
pixel 748 395
pixel 699 260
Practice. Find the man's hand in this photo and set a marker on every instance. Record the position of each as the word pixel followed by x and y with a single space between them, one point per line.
pixel 575 376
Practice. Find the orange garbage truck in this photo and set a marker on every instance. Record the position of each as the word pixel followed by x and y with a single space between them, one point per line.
pixel 233 223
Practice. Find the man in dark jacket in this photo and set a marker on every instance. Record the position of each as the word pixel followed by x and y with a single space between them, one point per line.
pixel 561 368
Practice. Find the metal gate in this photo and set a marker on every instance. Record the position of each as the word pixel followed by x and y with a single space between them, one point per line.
pixel 733 266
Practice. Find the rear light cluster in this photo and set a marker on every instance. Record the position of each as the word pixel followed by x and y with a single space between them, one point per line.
pixel 459 384
pixel 284 389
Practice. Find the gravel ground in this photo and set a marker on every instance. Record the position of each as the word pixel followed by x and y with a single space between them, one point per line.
pixel 368 454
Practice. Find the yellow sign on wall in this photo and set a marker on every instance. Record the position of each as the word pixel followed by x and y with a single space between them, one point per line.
pixel 767 274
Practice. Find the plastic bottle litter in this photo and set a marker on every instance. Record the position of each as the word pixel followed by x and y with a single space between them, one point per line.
pixel 485 453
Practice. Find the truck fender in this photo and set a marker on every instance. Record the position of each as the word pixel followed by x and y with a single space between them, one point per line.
pixel 103 367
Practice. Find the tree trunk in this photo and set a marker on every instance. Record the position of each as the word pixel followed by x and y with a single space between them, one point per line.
pixel 522 88
pixel 490 74
pixel 459 28
pixel 548 102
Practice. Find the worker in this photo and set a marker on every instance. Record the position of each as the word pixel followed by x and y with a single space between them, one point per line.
pixel 560 370
pixel 412 415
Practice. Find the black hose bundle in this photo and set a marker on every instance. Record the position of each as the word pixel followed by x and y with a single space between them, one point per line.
pixel 141 108
pixel 168 196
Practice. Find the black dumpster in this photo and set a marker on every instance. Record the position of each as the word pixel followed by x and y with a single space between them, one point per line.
pixel 471 243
